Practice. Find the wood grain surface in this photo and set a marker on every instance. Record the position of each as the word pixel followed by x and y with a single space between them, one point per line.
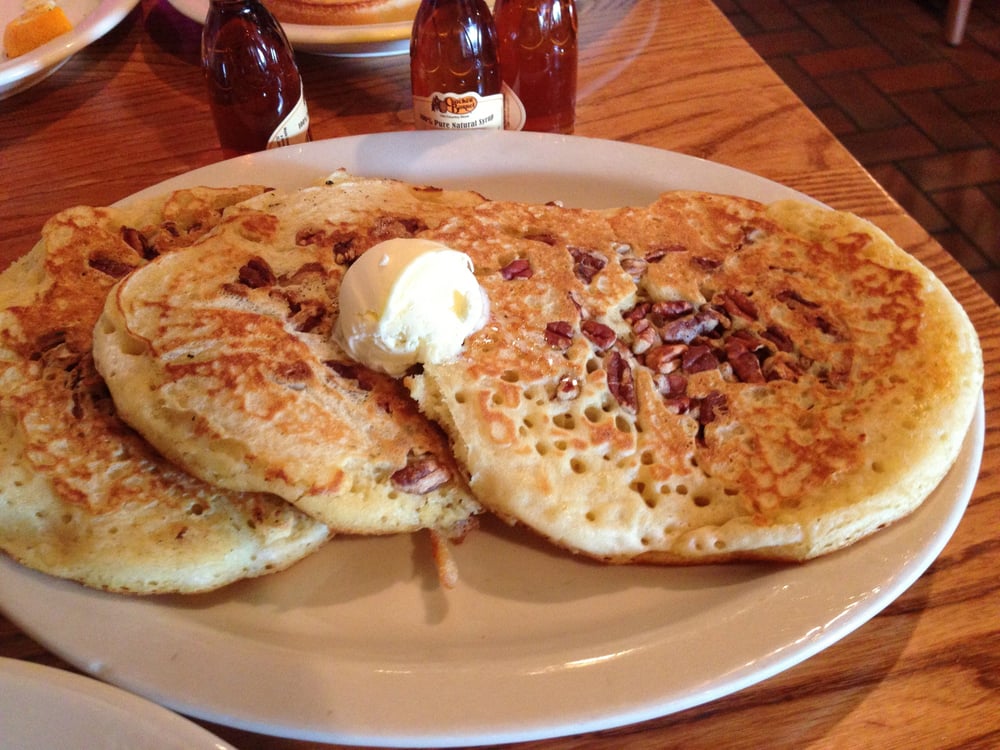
pixel 130 110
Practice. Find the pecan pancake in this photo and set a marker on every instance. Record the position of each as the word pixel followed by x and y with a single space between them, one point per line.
pixel 82 496
pixel 223 359
pixel 703 379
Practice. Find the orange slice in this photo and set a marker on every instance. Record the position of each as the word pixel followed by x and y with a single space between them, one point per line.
pixel 34 28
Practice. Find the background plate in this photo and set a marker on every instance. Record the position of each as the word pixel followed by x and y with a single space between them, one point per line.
pixel 361 40
pixel 357 644
pixel 42 707
pixel 91 20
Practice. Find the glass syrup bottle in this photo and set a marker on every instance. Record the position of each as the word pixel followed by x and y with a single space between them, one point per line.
pixel 538 59
pixel 254 87
pixel 454 67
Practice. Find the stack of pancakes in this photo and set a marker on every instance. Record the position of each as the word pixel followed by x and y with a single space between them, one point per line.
pixel 182 481
pixel 703 379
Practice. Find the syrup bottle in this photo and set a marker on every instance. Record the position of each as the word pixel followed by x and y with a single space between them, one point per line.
pixel 254 87
pixel 538 59
pixel 454 66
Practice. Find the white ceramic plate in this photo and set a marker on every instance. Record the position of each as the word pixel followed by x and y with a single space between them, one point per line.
pixel 361 40
pixel 91 20
pixel 358 645
pixel 43 707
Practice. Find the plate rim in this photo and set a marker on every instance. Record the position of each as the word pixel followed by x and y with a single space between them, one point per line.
pixel 859 612
pixel 105 16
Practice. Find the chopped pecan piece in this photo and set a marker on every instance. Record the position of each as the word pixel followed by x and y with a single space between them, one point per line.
pixel 748 236
pixel 657 254
pixel 685 330
pixel 790 295
pixel 346 250
pixel 236 290
pixel 586 265
pixel 826 327
pixel 637 313
pixel 171 228
pixel 577 304
pixel 138 242
pixel 665 358
pixel 352 371
pixel 288 297
pixel 646 337
pixel 707 264
pixel 308 316
pixel 310 237
pixel 672 385
pixel 747 339
pixel 746 366
pixel 302 273
pixel 519 268
pixel 679 404
pixel 738 304
pixel 546 238
pixel 781 368
pixel 568 388
pixel 559 334
pixel 777 336
pixel 422 474
pixel 745 352
pixel 256 273
pixel 345 244
pixel 699 358
pixel 669 309
pixel 390 227
pixel 601 336
pixel 710 406
pixel 294 375
pixel 344 369
pixel 113 268
pixel 634 267
pixel 620 380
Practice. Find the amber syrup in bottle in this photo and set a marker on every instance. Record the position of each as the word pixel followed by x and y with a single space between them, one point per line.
pixel 538 59
pixel 454 67
pixel 254 87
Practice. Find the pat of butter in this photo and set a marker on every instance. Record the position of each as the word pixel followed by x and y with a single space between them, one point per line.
pixel 409 301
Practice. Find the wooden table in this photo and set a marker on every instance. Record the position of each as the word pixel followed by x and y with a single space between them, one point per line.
pixel 130 110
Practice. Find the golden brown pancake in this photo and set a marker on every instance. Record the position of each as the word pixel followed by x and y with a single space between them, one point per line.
pixel 82 496
pixel 703 379
pixel 223 359
pixel 343 12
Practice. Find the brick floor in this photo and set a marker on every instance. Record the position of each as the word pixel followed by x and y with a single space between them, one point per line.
pixel 921 115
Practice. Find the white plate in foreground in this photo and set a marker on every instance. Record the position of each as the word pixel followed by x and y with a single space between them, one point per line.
pixel 44 707
pixel 91 20
pixel 360 40
pixel 358 645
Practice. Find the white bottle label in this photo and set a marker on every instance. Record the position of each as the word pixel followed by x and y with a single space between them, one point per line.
pixel 294 128
pixel 450 111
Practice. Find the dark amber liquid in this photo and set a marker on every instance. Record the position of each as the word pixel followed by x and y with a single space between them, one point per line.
pixel 253 82
pixel 538 57
pixel 454 49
